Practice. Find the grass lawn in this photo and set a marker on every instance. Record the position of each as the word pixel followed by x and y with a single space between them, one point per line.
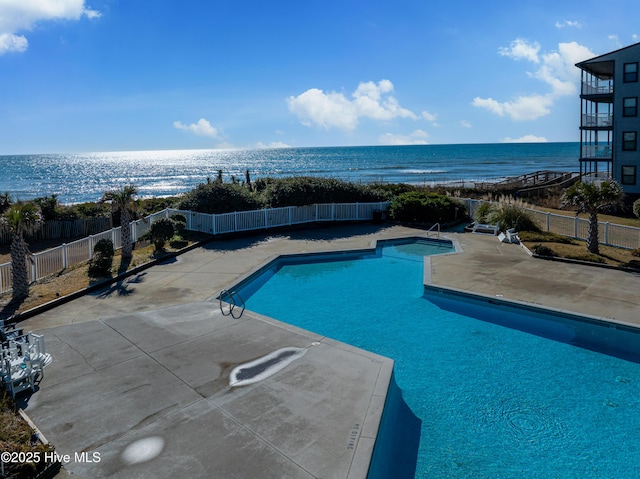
pixel 551 244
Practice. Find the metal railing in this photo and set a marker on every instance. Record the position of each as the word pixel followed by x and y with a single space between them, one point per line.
pixel 595 151
pixel 54 260
pixel 434 229
pixel 597 87
pixel 597 120
pixel 233 300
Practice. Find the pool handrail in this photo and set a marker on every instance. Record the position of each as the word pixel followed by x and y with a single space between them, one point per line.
pixel 232 295
pixel 437 231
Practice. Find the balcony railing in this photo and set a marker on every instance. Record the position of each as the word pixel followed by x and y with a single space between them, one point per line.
pixel 596 151
pixel 597 120
pixel 597 87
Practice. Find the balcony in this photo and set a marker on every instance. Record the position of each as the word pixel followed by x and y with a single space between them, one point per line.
pixel 599 152
pixel 597 87
pixel 597 120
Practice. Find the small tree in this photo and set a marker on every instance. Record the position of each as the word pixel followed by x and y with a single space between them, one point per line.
pixel 22 219
pixel 592 199
pixel 161 231
pixel 122 200
pixel 636 208
pixel 102 260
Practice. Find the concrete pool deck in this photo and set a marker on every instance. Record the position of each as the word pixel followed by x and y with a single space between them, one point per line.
pixel 141 368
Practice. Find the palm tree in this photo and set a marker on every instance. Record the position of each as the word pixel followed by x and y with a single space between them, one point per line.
pixel 22 219
pixel 592 199
pixel 122 200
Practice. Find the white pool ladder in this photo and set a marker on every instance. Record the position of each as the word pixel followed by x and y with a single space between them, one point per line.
pixel 233 299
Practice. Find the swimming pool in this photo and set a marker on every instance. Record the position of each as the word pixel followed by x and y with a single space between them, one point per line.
pixel 532 400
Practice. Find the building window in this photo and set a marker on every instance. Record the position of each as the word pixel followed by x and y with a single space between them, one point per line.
pixel 628 175
pixel 630 72
pixel 630 106
pixel 629 141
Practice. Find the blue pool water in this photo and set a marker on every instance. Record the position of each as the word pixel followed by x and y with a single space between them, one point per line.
pixel 493 401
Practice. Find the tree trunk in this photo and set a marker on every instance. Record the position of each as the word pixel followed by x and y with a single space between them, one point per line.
pixel 592 239
pixel 125 229
pixel 19 272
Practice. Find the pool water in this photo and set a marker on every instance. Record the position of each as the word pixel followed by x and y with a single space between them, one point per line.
pixel 494 402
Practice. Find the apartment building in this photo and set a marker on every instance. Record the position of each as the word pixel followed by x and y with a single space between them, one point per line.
pixel 609 120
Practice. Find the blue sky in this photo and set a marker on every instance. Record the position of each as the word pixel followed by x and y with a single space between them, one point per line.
pixel 103 75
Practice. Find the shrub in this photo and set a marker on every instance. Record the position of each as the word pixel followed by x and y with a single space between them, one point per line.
pixel 480 215
pixel 216 197
pixel 422 207
pixel 307 190
pixel 510 216
pixel 634 263
pixel 161 231
pixel 543 250
pixel 636 208
pixel 179 224
pixel 103 253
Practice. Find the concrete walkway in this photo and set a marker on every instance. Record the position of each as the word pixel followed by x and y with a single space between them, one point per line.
pixel 140 371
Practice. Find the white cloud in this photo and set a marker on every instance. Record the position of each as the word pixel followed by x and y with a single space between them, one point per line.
pixel 202 128
pixel 569 23
pixel 525 139
pixel 418 137
pixel 465 124
pixel 521 49
pixel 273 144
pixel 430 117
pixel 556 69
pixel 615 40
pixel 522 108
pixel 370 100
pixel 20 15
pixel 12 43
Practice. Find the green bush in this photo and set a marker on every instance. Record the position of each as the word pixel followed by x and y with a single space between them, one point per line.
pixel 161 231
pixel 636 208
pixel 216 198
pixel 179 224
pixel 543 250
pixel 480 215
pixel 100 264
pixel 510 216
pixel 307 190
pixel 423 207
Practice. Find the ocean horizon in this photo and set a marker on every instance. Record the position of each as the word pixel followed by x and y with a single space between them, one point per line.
pixel 83 177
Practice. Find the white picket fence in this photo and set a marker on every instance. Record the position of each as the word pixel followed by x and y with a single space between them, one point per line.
pixel 54 260
pixel 610 234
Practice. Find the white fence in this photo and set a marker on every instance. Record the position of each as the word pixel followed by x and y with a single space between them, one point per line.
pixel 54 260
pixel 610 234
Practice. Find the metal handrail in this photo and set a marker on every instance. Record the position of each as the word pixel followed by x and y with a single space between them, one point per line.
pixel 437 226
pixel 232 295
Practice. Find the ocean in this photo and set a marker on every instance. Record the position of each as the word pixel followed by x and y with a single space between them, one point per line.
pixel 82 177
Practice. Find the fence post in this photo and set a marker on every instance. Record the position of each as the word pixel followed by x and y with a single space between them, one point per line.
pixel 91 245
pixel 64 255
pixel 265 218
pixel 606 233
pixel 548 221
pixel 333 211
pixel 575 227
pixel 235 221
